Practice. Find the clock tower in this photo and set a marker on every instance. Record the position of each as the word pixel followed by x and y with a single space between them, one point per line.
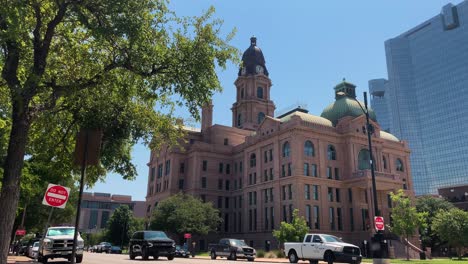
pixel 253 86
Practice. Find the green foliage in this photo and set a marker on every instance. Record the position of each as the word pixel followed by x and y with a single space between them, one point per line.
pixel 292 232
pixel 405 219
pixel 279 253
pixel 121 225
pixel 431 205
pixel 94 238
pixel 452 226
pixel 260 253
pixel 183 213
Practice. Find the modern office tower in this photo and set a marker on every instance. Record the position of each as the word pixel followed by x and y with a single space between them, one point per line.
pixel 425 97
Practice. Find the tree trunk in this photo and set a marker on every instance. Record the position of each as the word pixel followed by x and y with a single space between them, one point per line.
pixel 10 192
pixel 407 248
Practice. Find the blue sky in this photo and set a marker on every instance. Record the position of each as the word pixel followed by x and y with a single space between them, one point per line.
pixel 309 47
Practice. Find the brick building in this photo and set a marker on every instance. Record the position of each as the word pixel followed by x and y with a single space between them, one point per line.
pixel 261 168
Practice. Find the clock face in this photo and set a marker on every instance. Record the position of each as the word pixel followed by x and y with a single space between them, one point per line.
pixel 259 69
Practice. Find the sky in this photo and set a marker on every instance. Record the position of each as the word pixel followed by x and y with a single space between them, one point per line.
pixel 309 46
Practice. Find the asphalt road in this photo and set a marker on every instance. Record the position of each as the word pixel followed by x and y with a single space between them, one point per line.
pixel 100 258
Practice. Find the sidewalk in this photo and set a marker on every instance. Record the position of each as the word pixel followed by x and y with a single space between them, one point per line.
pixel 18 259
pixel 270 260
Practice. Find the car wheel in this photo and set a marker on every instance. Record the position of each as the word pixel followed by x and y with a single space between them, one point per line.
pixel 232 256
pixel 79 259
pixel 131 255
pixel 43 260
pixel 170 257
pixel 251 259
pixel 213 255
pixel 293 257
pixel 155 257
pixel 328 257
pixel 144 253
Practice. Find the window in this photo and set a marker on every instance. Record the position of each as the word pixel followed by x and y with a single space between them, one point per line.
pixel 239 120
pixel 259 92
pixel 242 93
pixel 329 173
pixel 364 159
pixel 203 182
pixel 265 175
pixel 265 157
pixel 313 168
pixel 332 218
pixel 338 196
pixel 291 210
pixel 220 202
pixel 365 219
pixel 339 218
pixel 168 167
pixel 228 168
pixel 389 201
pixel 220 184
pixel 284 192
pixel 331 152
pixel 337 174
pixel 283 171
pixel 181 184
pixel 309 148
pixel 227 185
pixel 182 167
pixel 104 218
pixel 289 191
pixel 260 117
pixel 306 169
pixel 272 217
pixel 221 167
pixel 309 219
pixel 307 191
pixel 271 174
pixel 384 162
pixel 255 178
pixel 316 217
pixel 226 202
pixel 250 179
pixel 160 170
pixel 286 149
pixel 266 218
pixel 315 192
pixel 203 198
pixel 205 165
pixel 153 172
pixel 271 154
pixel 289 169
pixel 226 141
pixel 241 166
pixel 350 195
pixel 253 160
pixel 351 218
pixel 330 194
pixel 399 165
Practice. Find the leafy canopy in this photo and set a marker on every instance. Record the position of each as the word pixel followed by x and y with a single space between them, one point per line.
pixel 183 213
pixel 452 226
pixel 294 231
pixel 121 225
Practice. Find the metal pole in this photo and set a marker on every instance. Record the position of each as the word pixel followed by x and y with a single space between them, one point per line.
pixel 368 129
pixel 78 209
pixel 46 227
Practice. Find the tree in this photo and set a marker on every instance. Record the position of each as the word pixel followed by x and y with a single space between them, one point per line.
pixel 121 225
pixel 405 219
pixel 292 232
pixel 68 64
pixel 183 213
pixel 452 226
pixel 431 205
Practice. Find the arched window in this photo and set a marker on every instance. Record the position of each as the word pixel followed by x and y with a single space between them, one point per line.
pixel 364 159
pixel 309 148
pixel 239 120
pixel 242 93
pixel 253 160
pixel 286 149
pixel 259 92
pixel 331 152
pixel 399 165
pixel 384 162
pixel 260 117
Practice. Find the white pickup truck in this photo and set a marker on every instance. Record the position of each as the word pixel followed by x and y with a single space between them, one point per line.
pixel 317 247
pixel 58 243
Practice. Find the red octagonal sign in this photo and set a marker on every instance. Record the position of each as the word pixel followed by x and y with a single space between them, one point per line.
pixel 379 223
pixel 56 196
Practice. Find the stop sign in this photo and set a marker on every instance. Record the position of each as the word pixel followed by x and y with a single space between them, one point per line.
pixel 56 196
pixel 379 223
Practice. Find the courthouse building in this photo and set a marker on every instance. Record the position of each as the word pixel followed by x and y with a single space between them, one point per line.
pixel 257 171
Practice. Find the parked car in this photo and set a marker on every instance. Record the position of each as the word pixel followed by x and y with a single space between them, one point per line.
pixel 33 250
pixel 115 250
pixel 182 252
pixel 232 249
pixel 58 243
pixel 103 247
pixel 324 247
pixel 151 243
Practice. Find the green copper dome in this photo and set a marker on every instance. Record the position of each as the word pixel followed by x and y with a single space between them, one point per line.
pixel 345 104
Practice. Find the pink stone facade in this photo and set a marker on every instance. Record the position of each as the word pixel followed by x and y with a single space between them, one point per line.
pixel 261 169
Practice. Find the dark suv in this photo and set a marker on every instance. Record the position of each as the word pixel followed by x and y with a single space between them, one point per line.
pixel 151 243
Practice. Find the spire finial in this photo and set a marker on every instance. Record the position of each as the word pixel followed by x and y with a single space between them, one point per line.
pixel 253 41
pixel 344 79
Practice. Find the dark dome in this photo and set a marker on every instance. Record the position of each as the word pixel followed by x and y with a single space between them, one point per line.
pixel 253 57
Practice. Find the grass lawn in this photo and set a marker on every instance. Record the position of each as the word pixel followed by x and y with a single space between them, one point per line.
pixel 427 261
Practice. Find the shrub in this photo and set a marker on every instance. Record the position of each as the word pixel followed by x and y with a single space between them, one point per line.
pixel 260 253
pixel 270 254
pixel 279 253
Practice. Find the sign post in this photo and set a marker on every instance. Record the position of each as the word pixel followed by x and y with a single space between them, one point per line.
pixel 379 223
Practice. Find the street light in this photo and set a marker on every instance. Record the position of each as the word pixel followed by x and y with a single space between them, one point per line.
pixel 369 131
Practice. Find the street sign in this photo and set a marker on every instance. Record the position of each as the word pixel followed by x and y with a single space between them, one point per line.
pixel 56 196
pixel 187 235
pixel 379 223
pixel 20 232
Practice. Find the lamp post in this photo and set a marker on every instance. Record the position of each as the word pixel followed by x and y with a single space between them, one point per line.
pixel 378 252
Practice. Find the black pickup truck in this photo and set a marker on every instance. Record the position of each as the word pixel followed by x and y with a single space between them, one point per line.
pixel 232 249
pixel 151 243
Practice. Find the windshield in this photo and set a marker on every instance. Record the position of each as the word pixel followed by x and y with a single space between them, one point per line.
pixel 155 235
pixel 36 244
pixel 329 238
pixel 236 242
pixel 61 232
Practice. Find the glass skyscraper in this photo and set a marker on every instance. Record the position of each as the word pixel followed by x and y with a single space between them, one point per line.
pixel 425 99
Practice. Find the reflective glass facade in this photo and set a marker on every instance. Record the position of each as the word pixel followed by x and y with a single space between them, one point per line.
pixel 425 98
